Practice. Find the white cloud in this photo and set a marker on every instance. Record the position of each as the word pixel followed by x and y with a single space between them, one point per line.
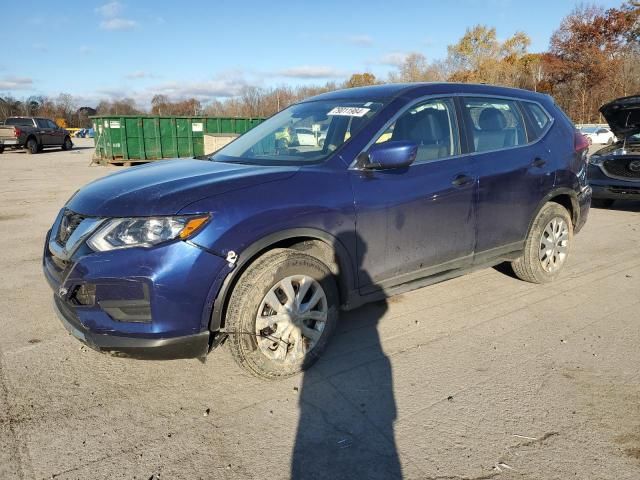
pixel 138 75
pixel 85 50
pixel 309 72
pixel 118 24
pixel 112 20
pixel 40 47
pixel 15 83
pixel 110 10
pixel 360 40
pixel 395 59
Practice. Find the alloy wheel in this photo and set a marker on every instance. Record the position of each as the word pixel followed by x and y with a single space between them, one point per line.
pixel 291 319
pixel 554 245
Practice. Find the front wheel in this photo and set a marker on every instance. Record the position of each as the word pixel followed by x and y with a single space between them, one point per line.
pixel 67 144
pixel 547 246
pixel 1 149
pixel 281 314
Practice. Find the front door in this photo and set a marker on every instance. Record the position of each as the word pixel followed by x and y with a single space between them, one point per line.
pixel 420 220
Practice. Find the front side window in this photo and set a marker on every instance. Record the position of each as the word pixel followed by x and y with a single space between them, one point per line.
pixel 496 123
pixel 432 125
pixel 304 133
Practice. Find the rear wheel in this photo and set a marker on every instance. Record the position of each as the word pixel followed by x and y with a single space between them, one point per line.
pixel 547 247
pixel 67 144
pixel 1 149
pixel 32 146
pixel 281 314
pixel 601 202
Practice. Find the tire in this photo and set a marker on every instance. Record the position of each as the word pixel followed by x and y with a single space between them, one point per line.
pixel 601 202
pixel 267 347
pixel 67 144
pixel 32 146
pixel 1 150
pixel 609 141
pixel 539 264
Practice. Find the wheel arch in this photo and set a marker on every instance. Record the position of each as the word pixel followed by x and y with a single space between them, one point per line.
pixel 566 197
pixel 320 244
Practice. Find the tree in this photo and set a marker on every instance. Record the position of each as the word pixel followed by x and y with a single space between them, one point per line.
pixel 360 80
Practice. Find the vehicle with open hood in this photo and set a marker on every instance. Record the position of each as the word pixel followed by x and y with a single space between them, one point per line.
pixel 614 171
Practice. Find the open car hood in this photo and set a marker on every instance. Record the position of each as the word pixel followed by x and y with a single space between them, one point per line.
pixel 623 115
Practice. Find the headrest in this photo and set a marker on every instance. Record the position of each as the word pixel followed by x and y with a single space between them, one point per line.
pixel 492 119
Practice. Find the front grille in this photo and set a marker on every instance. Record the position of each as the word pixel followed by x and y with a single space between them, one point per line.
pixel 623 168
pixel 68 225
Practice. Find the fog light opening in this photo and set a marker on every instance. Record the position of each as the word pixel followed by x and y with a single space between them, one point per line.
pixel 84 294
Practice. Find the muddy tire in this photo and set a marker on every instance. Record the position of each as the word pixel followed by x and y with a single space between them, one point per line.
pixel 547 246
pixel 281 314
pixel 601 202
pixel 32 146
pixel 67 144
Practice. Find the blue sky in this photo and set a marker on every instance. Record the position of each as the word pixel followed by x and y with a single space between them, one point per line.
pixel 207 49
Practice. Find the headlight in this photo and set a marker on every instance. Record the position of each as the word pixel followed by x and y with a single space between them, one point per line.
pixel 144 231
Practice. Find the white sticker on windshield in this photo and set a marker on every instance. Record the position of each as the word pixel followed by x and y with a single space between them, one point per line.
pixel 349 111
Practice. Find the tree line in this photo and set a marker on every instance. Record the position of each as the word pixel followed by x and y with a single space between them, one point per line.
pixel 594 57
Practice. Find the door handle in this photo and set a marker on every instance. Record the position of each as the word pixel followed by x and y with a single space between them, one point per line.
pixel 461 180
pixel 539 162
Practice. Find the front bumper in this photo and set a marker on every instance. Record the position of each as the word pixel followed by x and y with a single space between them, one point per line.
pixel 605 187
pixel 187 346
pixel 151 303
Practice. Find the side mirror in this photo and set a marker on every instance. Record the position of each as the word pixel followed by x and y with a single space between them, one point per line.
pixel 388 155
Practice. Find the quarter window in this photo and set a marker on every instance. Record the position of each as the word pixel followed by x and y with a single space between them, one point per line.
pixel 539 118
pixel 496 123
pixel 432 125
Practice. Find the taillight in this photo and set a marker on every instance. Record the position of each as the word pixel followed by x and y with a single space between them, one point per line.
pixel 16 132
pixel 580 142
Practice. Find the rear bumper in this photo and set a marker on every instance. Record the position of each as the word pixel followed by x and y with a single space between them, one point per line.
pixel 584 203
pixel 5 142
pixel 187 346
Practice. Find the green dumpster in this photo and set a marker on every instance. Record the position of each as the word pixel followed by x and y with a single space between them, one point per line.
pixel 140 138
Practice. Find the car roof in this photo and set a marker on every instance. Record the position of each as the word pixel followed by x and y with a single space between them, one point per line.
pixel 412 90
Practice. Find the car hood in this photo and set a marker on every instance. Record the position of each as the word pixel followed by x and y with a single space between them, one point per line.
pixel 165 187
pixel 623 115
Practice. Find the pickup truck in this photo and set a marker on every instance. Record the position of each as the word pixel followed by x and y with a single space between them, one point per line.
pixel 33 134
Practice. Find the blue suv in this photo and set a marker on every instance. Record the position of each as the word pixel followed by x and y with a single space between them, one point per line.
pixel 345 198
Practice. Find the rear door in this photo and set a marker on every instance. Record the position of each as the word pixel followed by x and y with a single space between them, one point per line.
pixel 416 221
pixel 515 170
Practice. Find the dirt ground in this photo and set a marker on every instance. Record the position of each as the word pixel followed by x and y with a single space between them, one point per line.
pixel 483 376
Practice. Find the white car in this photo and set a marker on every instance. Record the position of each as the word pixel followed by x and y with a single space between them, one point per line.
pixel 597 135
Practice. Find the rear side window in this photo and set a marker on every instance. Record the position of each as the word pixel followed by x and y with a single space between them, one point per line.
pixel 42 123
pixel 496 123
pixel 540 119
pixel 432 125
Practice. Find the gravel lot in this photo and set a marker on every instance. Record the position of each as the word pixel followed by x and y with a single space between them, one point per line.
pixel 482 376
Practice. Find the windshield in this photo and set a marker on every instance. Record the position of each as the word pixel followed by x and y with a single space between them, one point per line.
pixel 303 133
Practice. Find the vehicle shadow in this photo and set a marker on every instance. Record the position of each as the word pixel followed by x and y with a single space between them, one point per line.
pixel 347 405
